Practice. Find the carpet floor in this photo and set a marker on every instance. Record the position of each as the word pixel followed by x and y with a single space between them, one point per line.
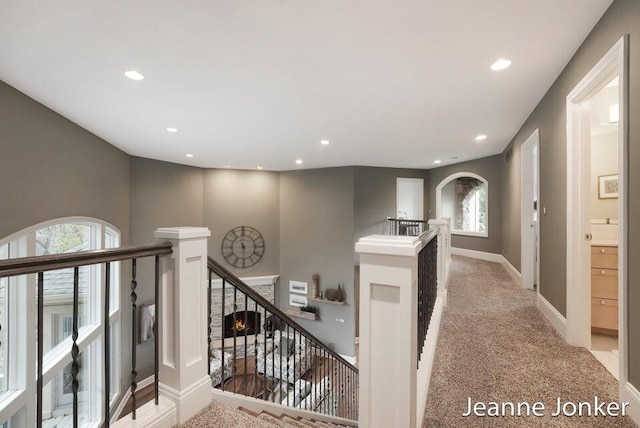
pixel 495 346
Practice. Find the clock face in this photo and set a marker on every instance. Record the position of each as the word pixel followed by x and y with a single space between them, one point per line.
pixel 243 246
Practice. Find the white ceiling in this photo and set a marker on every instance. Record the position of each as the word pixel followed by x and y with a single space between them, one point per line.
pixel 261 82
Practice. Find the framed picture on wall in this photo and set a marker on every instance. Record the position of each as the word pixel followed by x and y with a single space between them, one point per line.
pixel 146 320
pixel 298 287
pixel 608 186
pixel 297 300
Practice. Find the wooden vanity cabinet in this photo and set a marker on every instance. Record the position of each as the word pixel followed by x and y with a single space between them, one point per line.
pixel 604 289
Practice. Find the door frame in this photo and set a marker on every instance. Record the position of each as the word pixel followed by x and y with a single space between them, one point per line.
pixel 417 185
pixel 615 62
pixel 528 252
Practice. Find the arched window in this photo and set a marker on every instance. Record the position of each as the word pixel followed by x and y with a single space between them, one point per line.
pixel 18 310
pixel 464 198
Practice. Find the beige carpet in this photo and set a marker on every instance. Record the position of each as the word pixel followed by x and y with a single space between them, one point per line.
pixel 221 415
pixel 494 345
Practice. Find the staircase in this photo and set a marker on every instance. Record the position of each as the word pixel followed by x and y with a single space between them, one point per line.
pixel 222 415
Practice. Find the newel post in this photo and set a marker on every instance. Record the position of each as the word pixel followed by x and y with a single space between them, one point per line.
pixel 183 320
pixel 442 226
pixel 388 334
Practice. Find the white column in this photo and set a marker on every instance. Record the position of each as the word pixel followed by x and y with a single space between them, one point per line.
pixel 441 225
pixel 183 320
pixel 388 332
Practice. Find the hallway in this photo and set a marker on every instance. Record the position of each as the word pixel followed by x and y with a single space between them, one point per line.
pixel 495 346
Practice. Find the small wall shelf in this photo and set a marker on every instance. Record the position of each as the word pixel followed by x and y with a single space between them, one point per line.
pixel 301 314
pixel 331 302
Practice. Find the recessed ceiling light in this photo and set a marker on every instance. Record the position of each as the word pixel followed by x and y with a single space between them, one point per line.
pixel 500 64
pixel 437 161
pixel 133 75
pixel 481 137
pixel 189 155
pixel 260 167
pixel 227 166
pixel 299 161
pixel 325 142
pixel 172 130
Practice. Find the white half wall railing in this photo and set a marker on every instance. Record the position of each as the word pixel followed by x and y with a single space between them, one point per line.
pixel 394 379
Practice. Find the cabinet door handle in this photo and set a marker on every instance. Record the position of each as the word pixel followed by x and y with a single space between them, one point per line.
pixel 603 302
pixel 602 250
pixel 603 272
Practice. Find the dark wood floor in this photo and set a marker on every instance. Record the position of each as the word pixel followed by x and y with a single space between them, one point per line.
pixel 143 396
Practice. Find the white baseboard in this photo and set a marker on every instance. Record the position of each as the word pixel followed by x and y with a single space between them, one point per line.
pixel 482 255
pixel 517 277
pixel 149 415
pixel 553 316
pixel 427 357
pixel 630 394
pixel 491 257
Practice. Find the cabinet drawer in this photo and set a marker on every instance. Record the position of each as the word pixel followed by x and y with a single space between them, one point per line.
pixel 604 283
pixel 604 257
pixel 604 313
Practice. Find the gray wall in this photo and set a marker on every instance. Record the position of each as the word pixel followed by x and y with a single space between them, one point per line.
pixel 244 198
pixel 375 198
pixel 162 195
pixel 316 236
pixel 490 168
pixel 623 17
pixel 52 168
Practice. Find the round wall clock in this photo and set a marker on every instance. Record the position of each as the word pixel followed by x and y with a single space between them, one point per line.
pixel 243 246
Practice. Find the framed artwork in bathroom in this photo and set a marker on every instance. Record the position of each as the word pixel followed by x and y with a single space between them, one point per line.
pixel 608 186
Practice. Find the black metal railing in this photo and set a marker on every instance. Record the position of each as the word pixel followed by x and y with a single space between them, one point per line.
pixel 40 265
pixel 269 356
pixel 427 284
pixel 405 227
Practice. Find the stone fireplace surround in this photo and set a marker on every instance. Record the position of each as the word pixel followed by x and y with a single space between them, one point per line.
pixel 264 285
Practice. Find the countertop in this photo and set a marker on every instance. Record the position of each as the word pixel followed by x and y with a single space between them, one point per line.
pixel 604 242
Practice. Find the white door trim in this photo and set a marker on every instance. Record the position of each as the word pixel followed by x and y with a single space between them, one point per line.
pixel 615 62
pixel 528 251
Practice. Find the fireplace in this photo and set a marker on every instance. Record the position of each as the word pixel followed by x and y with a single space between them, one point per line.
pixel 245 323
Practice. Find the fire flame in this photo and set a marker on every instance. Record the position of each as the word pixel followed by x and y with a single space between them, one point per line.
pixel 240 325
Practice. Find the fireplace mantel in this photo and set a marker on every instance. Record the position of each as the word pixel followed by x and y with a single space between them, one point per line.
pixel 252 281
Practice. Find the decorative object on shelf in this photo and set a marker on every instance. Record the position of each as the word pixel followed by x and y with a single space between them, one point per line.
pixel 316 285
pixel 330 294
pixel 309 308
pixel 339 294
pixel 243 246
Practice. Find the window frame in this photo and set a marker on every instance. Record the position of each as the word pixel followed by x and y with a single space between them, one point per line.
pixel 18 402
